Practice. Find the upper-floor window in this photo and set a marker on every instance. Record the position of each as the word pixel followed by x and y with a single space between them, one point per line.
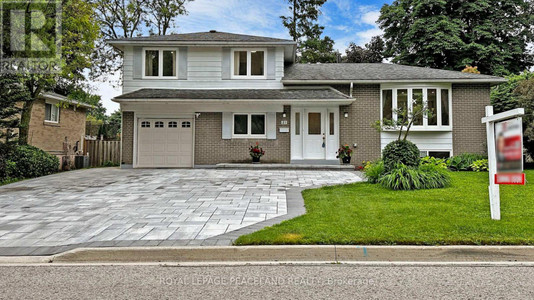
pixel 51 113
pixel 435 101
pixel 159 63
pixel 248 63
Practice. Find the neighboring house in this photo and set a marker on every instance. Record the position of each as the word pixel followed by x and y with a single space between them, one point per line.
pixel 203 98
pixel 54 119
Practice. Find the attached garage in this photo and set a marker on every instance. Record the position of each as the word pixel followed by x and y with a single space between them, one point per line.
pixel 165 143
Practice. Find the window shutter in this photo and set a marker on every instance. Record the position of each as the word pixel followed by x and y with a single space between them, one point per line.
pixel 226 62
pixel 271 126
pixel 137 62
pixel 182 63
pixel 227 125
pixel 271 63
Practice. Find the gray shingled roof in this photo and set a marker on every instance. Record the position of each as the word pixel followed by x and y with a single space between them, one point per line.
pixel 231 94
pixel 210 36
pixel 376 72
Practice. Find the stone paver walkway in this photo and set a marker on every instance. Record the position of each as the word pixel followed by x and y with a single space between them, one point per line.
pixel 136 207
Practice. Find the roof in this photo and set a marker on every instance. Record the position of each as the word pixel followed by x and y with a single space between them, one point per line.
pixel 316 93
pixel 58 97
pixel 205 37
pixel 377 72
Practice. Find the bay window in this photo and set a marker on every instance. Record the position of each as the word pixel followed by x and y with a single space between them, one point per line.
pixel 248 63
pixel 435 99
pixel 249 125
pixel 159 63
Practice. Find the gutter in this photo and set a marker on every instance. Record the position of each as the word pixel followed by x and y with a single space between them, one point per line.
pixel 373 81
pixel 229 101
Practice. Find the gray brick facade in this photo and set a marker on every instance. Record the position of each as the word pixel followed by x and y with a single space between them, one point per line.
pixel 211 149
pixel 468 102
pixel 357 128
pixel 128 125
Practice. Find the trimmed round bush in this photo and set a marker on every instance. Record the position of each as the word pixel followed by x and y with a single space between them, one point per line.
pixel 31 162
pixel 402 177
pixel 400 152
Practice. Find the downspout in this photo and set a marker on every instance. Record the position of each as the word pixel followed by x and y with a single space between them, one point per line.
pixel 351 87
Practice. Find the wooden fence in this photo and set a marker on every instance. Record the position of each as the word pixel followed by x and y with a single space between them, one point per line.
pixel 103 152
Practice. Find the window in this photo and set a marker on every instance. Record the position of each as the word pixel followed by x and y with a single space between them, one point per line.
pixel 51 113
pixel 436 100
pixel 249 125
pixel 145 124
pixel 331 123
pixel 158 124
pixel 314 123
pixel 297 123
pixel 248 64
pixel 439 154
pixel 186 124
pixel 387 104
pixel 173 124
pixel 160 63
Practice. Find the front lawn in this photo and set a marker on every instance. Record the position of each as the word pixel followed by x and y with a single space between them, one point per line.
pixel 364 213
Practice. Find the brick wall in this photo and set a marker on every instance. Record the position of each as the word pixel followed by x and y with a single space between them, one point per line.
pixel 468 107
pixel 357 128
pixel 211 149
pixel 127 137
pixel 50 136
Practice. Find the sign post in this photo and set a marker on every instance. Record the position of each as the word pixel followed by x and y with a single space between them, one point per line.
pixel 497 154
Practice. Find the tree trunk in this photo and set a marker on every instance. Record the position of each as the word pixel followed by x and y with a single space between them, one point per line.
pixel 25 119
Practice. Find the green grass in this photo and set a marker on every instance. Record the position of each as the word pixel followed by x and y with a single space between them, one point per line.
pixel 10 180
pixel 364 213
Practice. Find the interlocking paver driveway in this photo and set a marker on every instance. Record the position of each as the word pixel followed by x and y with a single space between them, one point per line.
pixel 110 204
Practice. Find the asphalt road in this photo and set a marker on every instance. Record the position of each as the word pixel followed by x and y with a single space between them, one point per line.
pixel 266 282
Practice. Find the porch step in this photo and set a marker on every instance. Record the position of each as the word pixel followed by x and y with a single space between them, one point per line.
pixel 261 166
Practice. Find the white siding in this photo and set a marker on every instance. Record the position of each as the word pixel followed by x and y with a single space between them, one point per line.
pixel 204 71
pixel 425 140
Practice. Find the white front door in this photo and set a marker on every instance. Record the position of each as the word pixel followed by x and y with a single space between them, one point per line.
pixel 314 133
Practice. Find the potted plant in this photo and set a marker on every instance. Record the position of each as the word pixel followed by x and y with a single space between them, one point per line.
pixel 256 152
pixel 345 153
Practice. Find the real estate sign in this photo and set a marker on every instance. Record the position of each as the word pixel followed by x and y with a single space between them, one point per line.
pixel 509 146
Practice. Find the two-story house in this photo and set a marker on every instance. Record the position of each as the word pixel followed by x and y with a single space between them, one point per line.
pixel 203 98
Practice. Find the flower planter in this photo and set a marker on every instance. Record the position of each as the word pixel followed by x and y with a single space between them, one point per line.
pixel 255 160
pixel 346 160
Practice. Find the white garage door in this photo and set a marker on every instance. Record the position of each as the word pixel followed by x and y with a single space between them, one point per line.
pixel 165 143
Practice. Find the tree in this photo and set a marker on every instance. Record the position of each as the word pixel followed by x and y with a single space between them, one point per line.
pixel 12 95
pixel 303 28
pixel 491 34
pixel 372 53
pixel 79 31
pixel 161 14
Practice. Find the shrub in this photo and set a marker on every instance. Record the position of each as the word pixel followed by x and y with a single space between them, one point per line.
pixel 430 160
pixel 480 165
pixel 403 152
pixel 464 161
pixel 29 162
pixel 403 177
pixel 373 170
pixel 110 164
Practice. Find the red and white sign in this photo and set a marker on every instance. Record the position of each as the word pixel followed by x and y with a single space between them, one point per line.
pixel 512 178
pixel 509 146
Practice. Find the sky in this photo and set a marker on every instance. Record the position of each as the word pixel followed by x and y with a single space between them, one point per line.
pixel 345 21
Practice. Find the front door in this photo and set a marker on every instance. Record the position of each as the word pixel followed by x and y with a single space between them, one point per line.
pixel 314 135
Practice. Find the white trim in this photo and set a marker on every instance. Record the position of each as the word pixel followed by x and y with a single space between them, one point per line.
pixel 424 86
pixel 249 134
pixel 160 62
pixel 249 63
pixel 408 81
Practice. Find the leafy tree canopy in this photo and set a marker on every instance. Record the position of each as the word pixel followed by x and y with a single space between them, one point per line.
pixel 372 53
pixel 491 34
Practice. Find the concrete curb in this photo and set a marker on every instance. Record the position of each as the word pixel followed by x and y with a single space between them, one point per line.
pixel 280 254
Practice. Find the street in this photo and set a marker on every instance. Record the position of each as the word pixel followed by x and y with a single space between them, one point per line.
pixel 266 282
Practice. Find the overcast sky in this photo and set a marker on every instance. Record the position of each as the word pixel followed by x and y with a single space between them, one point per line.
pixel 345 21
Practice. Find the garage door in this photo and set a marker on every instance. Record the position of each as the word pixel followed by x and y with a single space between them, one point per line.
pixel 165 143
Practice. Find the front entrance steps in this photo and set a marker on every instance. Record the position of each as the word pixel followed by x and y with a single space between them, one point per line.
pixel 292 166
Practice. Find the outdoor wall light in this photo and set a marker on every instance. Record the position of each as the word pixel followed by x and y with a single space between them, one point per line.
pixel 284 115
pixel 346 114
